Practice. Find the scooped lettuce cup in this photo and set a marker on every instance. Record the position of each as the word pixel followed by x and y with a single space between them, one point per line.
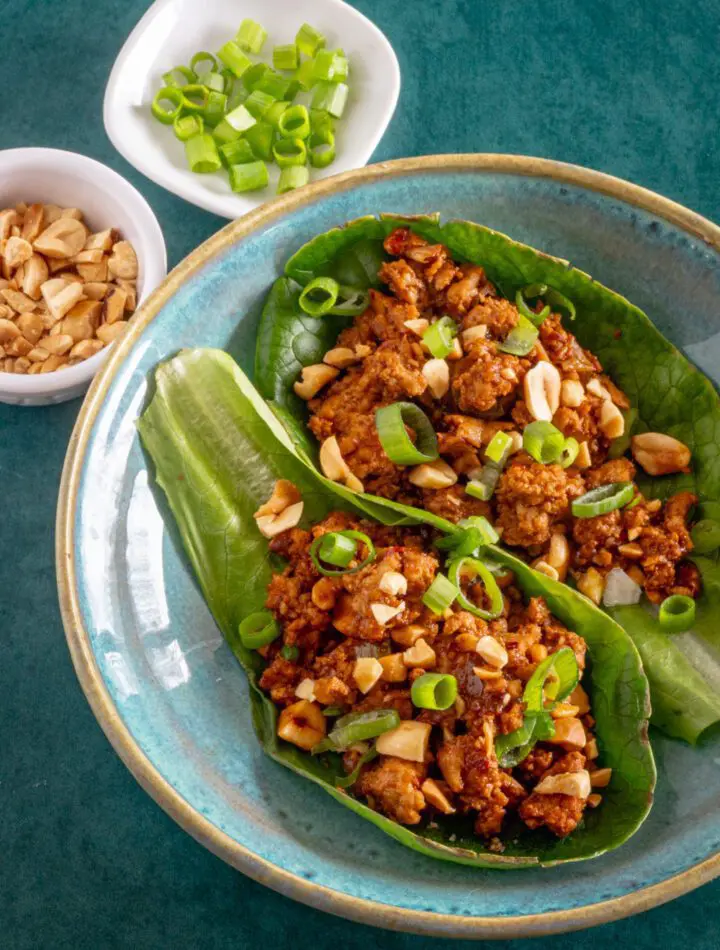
pixel 473 709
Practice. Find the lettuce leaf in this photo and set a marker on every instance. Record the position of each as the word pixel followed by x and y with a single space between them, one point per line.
pixel 669 393
pixel 217 451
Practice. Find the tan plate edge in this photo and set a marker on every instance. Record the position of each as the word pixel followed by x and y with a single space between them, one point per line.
pixel 315 895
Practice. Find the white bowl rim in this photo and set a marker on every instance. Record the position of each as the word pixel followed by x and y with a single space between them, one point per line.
pixel 155 264
pixel 203 198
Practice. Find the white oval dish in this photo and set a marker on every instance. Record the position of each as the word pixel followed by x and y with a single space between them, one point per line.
pixel 53 176
pixel 173 30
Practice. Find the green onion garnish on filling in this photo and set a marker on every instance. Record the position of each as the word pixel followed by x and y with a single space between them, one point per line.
pixel 185 126
pixel 391 422
pixel 251 36
pixel 294 176
pixel 248 177
pixel 258 629
pixel 289 152
pixel 336 550
pixel 474 567
pixel 513 748
pixel 499 447
pixel 544 442
pixel 331 711
pixel 353 776
pixel 480 523
pixel 319 296
pixel 521 298
pixel 569 452
pixel 484 484
pixel 289 652
pixel 174 97
pixel 439 337
pixel 202 154
pixel 706 536
pixel 309 40
pixel 521 339
pixel 440 594
pixel 434 691
pixel 351 302
pixel 603 499
pixel 294 123
pixel 358 727
pixel 677 613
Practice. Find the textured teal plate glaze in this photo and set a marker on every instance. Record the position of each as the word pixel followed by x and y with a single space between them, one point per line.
pixel 175 684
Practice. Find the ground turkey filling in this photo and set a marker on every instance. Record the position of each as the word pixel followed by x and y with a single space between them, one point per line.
pixel 485 393
pixel 328 624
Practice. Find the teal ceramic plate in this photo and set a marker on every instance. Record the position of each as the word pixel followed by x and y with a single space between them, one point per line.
pixel 167 690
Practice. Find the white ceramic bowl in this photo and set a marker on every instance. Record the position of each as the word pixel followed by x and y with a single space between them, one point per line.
pixel 173 30
pixel 107 200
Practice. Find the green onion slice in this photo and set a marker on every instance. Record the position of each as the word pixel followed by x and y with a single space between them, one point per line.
pixel 178 76
pixel 603 499
pixel 332 711
pixel 202 154
pixel 324 541
pixel 357 727
pixel 285 57
pixel 260 137
pixel 203 57
pixel 706 536
pixel 234 58
pixel 330 66
pixel 440 337
pixel 289 152
pixel 294 123
pixel 250 176
pixel 258 629
pixel 275 112
pixel 309 40
pixel 275 85
pixel 251 36
pixel 215 109
pixel 352 777
pixel 350 302
pixel 330 96
pixel 434 691
pixel 499 447
pixel 455 571
pixel 531 291
pixel 254 74
pixel 292 177
pixel 479 523
pixel 391 422
pixel 215 82
pixel 337 549
pixel 290 653
pixel 321 149
pixel 322 123
pixel 185 126
pixel 173 95
pixel 484 485
pixel 562 668
pixel 258 103
pixel 544 442
pixel 237 152
pixel 513 748
pixel 304 75
pixel 559 301
pixel 569 452
pixel 475 533
pixel 440 594
pixel 195 97
pixel 677 613
pixel 521 339
pixel 319 296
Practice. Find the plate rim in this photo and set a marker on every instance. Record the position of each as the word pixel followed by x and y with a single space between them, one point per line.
pixel 358 909
pixel 205 198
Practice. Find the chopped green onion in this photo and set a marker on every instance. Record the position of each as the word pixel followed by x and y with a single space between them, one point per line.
pixel 258 629
pixel 273 84
pixel 462 543
pixel 352 777
pixel 185 126
pixel 224 132
pixel 440 337
pixel 215 109
pixel 358 727
pixel 251 36
pixel 236 153
pixel 677 613
pixel 330 96
pixel 195 97
pixel 563 668
pixel 521 339
pixel 544 442
pixel 560 301
pixel 352 535
pixel 174 96
pixel 440 594
pixel 321 150
pixel 479 523
pixel 434 691
pixel 350 302
pixel 455 571
pixel 260 136
pixel 322 124
pixel 304 75
pixel 240 119
pixel 203 57
pixel 254 75
pixel 178 76
pixel 275 113
pixel 293 90
pixel 706 536
pixel 498 447
pixel 290 653
pixel 258 103
pixel 569 452
pixel 513 748
pixel 603 499
pixel 294 123
pixel 292 177
pixel 337 549
pixel 330 66
pixel 236 94
pixel 229 80
pixel 319 296
pixel 391 422
pixel 250 176
pixel 332 711
pixel 214 82
pixel 532 290
pixel 309 40
pixel 285 57
pixel 234 58
pixel 202 154
pixel 290 152
pixel 484 484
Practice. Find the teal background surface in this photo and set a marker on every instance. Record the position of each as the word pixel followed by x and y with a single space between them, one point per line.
pixel 88 860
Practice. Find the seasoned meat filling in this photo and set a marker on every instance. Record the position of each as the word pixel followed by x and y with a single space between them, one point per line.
pixel 479 389
pixel 333 627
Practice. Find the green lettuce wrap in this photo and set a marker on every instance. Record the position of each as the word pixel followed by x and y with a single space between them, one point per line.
pixel 671 396
pixel 217 451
